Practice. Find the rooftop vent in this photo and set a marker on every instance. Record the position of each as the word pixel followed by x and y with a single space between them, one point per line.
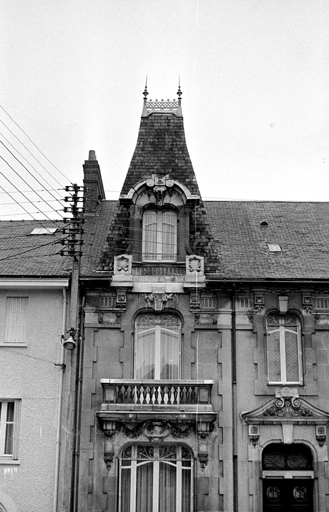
pixel 274 247
pixel 43 231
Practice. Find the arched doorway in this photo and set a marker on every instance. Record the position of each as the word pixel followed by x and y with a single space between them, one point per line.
pixel 288 476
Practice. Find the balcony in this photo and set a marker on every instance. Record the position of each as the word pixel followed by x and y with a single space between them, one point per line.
pixel 137 401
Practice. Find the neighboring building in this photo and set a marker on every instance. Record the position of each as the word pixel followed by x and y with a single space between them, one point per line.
pixel 204 345
pixel 33 287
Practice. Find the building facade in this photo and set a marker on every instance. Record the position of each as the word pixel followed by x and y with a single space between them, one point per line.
pixel 204 348
pixel 33 307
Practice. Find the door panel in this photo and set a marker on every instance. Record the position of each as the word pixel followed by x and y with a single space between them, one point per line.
pixel 287 495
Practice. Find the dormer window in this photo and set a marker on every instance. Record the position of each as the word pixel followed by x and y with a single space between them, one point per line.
pixel 159 235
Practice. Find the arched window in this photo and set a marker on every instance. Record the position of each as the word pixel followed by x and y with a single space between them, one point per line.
pixel 159 235
pixel 157 347
pixel 156 478
pixel 284 352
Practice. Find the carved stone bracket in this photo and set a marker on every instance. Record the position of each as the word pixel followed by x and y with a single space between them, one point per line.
pixel 259 303
pixel 157 430
pixel 108 459
pixel 203 459
pixel 254 434
pixel 321 434
pixel 159 187
pixel 205 319
pixel 160 301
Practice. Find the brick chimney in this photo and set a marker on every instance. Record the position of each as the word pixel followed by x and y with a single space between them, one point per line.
pixel 92 180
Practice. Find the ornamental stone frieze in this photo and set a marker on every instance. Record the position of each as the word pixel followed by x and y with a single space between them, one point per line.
pixel 287 409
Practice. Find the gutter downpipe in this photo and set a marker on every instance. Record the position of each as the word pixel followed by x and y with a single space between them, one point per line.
pixel 60 395
pixel 78 409
pixel 234 405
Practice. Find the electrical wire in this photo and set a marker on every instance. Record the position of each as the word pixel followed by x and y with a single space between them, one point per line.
pixel 29 138
pixel 22 156
pixel 26 183
pixel 16 255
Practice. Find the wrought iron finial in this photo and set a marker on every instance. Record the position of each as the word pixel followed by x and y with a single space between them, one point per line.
pixel 179 92
pixel 145 93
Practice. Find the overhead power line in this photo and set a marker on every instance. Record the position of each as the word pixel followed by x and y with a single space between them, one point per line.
pixel 39 183
pixel 29 138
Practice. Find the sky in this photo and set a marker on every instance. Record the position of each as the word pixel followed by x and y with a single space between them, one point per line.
pixel 254 76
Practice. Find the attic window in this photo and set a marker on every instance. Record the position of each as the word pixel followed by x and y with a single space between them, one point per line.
pixel 274 247
pixel 264 224
pixel 43 231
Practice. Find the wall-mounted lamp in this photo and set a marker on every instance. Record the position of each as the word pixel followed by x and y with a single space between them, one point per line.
pixel 70 343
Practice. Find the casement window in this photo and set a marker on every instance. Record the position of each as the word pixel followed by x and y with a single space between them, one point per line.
pixel 157 478
pixel 157 347
pixel 159 235
pixel 9 419
pixel 15 320
pixel 284 352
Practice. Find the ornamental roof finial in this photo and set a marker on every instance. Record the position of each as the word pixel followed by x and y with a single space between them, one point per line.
pixel 145 93
pixel 179 92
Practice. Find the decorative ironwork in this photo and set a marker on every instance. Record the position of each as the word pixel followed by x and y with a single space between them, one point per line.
pixel 164 105
pixel 288 407
pixel 273 493
pixel 300 493
pixel 295 457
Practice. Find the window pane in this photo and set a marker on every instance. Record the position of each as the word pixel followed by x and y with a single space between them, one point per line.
pixel 186 489
pixel 145 354
pixel 169 236
pixel 291 346
pixel 150 235
pixel 167 488
pixel 144 500
pixel 125 490
pixel 9 437
pixel 15 323
pixel 169 354
pixel 274 364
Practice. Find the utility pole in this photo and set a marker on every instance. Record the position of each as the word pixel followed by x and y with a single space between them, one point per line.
pixel 72 246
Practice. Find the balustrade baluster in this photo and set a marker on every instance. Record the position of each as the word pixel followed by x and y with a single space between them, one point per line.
pixel 138 392
pixel 156 394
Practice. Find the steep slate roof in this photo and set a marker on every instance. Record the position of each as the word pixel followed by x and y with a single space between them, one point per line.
pixel 161 149
pixel 301 229
pixel 26 255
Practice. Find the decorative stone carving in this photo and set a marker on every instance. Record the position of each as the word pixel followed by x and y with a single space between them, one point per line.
pixel 254 434
pixel 122 264
pixel 321 434
pixel 322 320
pixel 160 301
pixel 121 298
pixel 159 187
pixel 259 303
pixel 205 319
pixel 307 304
pixel 110 318
pixel 203 459
pixel 286 407
pixel 195 277
pixel 195 300
pixel 108 459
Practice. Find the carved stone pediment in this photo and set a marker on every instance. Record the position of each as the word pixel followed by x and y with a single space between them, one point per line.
pixel 286 409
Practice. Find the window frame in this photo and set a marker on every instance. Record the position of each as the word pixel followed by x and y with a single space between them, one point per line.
pixel 136 462
pixel 7 458
pixel 11 320
pixel 159 254
pixel 157 324
pixel 282 329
